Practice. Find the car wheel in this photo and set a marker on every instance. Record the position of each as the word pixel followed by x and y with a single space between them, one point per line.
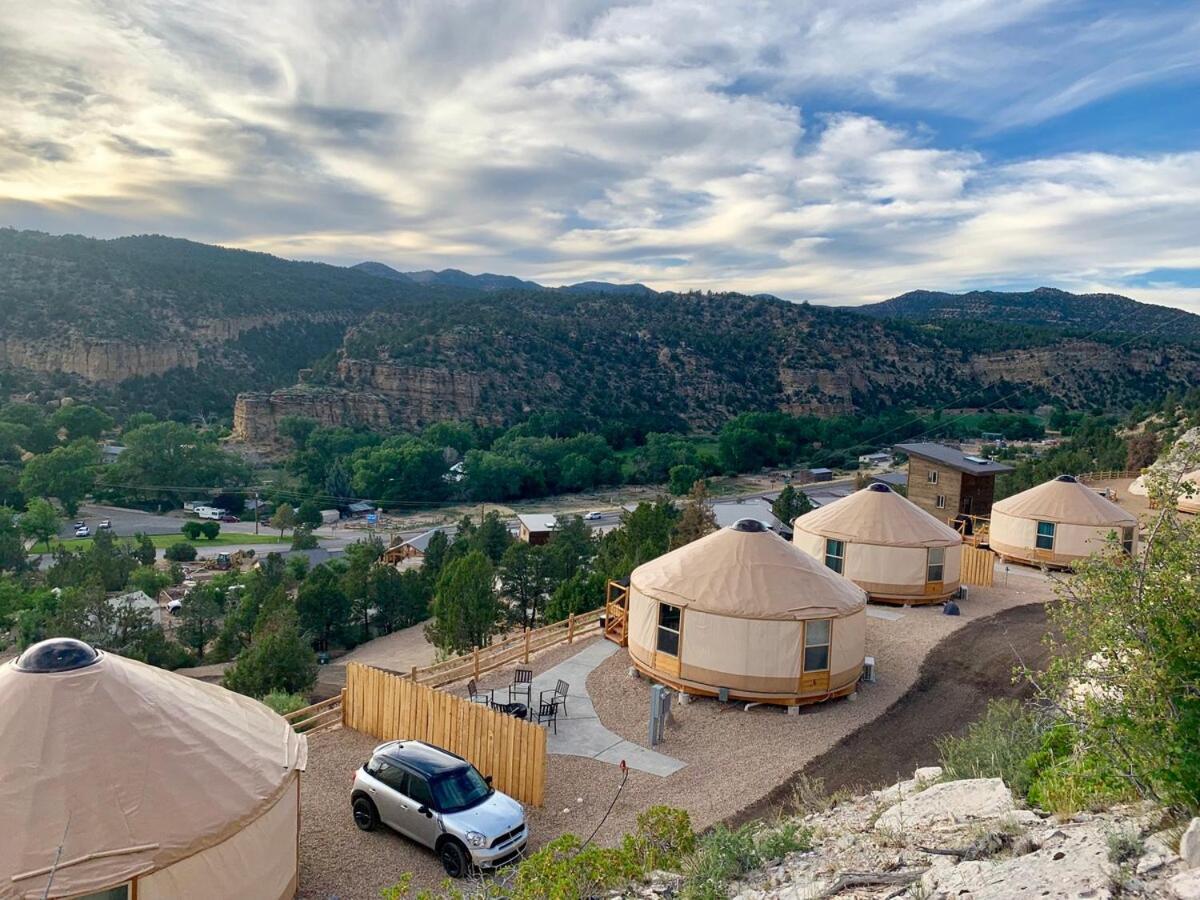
pixel 454 859
pixel 365 816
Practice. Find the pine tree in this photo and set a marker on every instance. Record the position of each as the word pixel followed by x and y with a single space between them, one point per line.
pixel 697 518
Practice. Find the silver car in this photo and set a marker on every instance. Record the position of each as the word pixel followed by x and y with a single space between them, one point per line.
pixel 440 800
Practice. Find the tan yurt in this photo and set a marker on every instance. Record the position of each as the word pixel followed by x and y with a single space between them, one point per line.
pixel 743 613
pixel 887 545
pixel 1057 523
pixel 119 780
pixel 1138 487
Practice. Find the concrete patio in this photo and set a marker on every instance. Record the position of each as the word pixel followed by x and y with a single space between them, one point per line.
pixel 580 731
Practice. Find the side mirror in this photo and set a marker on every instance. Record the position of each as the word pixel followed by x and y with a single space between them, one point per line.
pixel 488 779
pixel 425 811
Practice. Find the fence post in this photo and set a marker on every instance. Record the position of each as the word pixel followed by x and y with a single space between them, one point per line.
pixel 412 673
pixel 571 628
pixel 475 660
pixel 526 646
pixel 343 707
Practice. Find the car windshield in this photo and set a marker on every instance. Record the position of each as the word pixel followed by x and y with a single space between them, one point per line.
pixel 460 789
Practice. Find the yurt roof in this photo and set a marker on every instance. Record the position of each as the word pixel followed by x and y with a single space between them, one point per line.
pixel 1065 501
pixel 749 572
pixel 878 515
pixel 110 756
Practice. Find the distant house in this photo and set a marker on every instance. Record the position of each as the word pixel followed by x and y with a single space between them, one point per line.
pixel 897 481
pixel 536 528
pixel 329 516
pixel 820 474
pixel 411 552
pixel 359 509
pixel 727 512
pixel 110 452
pixel 947 483
pixel 456 473
pixel 875 459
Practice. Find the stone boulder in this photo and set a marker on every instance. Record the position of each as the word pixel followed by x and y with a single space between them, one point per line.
pixel 952 803
pixel 1189 845
pixel 1186 885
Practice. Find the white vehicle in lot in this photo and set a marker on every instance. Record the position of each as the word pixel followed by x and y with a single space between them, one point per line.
pixel 440 800
pixel 593 516
pixel 209 512
pixel 82 531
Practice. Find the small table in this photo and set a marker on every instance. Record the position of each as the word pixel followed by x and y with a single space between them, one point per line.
pixel 516 710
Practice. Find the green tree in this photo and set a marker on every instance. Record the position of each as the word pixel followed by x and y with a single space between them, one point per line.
pixel 283 519
pixel 210 529
pixel 696 520
pixel 12 548
pixel 304 539
pixel 645 534
pixel 279 658
pixel 399 469
pixel 400 598
pixel 465 608
pixel 199 619
pixel 67 473
pixel 361 557
pixel 682 478
pixel 296 429
pixel 309 515
pixel 490 536
pixel 81 421
pixel 144 552
pixel 169 461
pixel 191 530
pixel 40 522
pixel 337 484
pixel 790 505
pixel 180 551
pixel 323 606
pixel 149 580
pixel 437 554
pixel 582 592
pixel 525 581
pixel 572 550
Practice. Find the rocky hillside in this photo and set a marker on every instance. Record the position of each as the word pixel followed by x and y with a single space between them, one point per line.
pixel 1045 307
pixel 690 360
pixel 937 840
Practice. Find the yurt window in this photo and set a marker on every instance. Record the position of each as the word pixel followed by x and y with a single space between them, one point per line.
pixel 1045 535
pixel 117 893
pixel 937 564
pixel 835 554
pixel 816 645
pixel 669 619
pixel 1127 539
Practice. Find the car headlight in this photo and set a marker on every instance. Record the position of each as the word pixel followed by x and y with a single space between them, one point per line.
pixel 476 839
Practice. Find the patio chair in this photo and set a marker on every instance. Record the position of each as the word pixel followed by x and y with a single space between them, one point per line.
pixel 560 694
pixel 547 711
pixel 484 696
pixel 522 686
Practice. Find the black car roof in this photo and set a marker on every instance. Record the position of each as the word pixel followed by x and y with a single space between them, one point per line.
pixel 425 759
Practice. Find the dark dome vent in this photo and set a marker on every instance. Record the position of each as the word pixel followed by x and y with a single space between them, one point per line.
pixel 1067 479
pixel 57 655
pixel 879 488
pixel 749 525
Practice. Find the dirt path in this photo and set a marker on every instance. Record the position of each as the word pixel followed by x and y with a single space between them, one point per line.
pixel 960 675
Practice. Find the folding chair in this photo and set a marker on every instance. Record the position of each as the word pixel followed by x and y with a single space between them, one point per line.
pixel 522 685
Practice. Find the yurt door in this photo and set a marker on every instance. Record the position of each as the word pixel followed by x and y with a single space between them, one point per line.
pixel 818 638
pixel 668 639
pixel 935 570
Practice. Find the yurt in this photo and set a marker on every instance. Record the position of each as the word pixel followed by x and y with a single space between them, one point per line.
pixel 1057 523
pixel 741 613
pixel 884 543
pixel 119 780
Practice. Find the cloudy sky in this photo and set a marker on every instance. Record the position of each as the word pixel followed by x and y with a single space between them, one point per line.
pixel 836 152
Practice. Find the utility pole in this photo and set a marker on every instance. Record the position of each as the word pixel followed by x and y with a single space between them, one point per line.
pixel 256 511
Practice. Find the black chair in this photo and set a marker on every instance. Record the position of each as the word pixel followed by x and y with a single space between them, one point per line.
pixel 547 710
pixel 522 686
pixel 480 696
pixel 560 694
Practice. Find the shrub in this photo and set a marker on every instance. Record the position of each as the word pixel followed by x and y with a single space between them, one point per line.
pixel 1124 846
pixel 191 530
pixel 284 703
pixel 304 539
pixel 998 745
pixel 210 530
pixel 181 551
pixel 1067 776
pixel 725 854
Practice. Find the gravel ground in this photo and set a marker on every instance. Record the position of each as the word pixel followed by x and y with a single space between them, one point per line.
pixel 735 758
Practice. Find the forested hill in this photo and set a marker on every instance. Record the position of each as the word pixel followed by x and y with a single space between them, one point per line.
pixel 1044 307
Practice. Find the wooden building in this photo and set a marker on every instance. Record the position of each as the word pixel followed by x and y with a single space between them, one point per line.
pixel 411 552
pixel 947 483
pixel 536 528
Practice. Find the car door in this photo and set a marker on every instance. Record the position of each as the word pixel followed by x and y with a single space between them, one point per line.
pixel 425 826
pixel 387 792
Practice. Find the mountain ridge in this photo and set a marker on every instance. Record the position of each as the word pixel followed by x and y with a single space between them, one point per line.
pixel 489 281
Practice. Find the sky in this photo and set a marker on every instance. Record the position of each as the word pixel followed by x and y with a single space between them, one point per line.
pixel 831 152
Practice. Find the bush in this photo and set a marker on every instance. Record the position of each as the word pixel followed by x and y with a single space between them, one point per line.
pixel 181 551
pixel 284 703
pixel 996 746
pixel 191 530
pixel 210 530
pixel 725 854
pixel 304 539
pixel 1066 776
pixel 1124 846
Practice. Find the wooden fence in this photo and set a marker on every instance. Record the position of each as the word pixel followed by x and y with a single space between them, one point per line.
pixel 391 707
pixel 978 565
pixel 319 715
pixel 1110 475
pixel 510 650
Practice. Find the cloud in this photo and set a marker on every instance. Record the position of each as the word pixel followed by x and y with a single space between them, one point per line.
pixel 789 147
